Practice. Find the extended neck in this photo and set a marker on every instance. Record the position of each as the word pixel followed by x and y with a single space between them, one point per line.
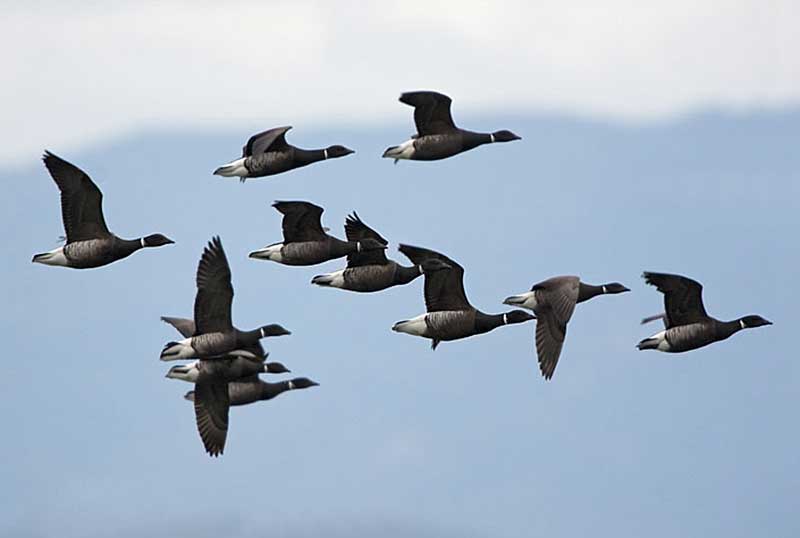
pixel 248 338
pixel 307 156
pixel 587 291
pixel 404 274
pixel 126 247
pixel 487 322
pixel 270 390
pixel 473 140
pixel 725 329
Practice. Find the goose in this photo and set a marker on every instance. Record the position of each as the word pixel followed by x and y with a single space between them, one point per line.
pixel 214 334
pixel 252 389
pixel 189 372
pixel 687 325
pixel 449 315
pixel 437 136
pixel 89 243
pixel 553 301
pixel 370 271
pixel 268 153
pixel 305 241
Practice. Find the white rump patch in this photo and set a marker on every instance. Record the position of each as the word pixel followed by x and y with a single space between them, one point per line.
pixel 233 169
pixel 403 151
pixel 54 257
pixel 414 327
pixel 270 252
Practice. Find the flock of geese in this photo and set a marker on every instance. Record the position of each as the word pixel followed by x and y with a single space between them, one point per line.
pixel 226 362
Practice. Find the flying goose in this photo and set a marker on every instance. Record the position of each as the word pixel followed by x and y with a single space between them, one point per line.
pixel 252 389
pixel 268 153
pixel 437 136
pixel 553 301
pixel 305 241
pixel 369 271
pixel 687 324
pixel 449 315
pixel 214 334
pixel 89 243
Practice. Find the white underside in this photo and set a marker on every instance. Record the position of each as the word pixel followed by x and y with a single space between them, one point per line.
pixel 179 351
pixel 54 257
pixel 403 151
pixel 661 337
pixel 270 252
pixel 334 280
pixel 233 169
pixel 525 300
pixel 415 326
pixel 190 374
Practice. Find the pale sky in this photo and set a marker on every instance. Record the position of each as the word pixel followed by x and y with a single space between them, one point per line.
pixel 75 73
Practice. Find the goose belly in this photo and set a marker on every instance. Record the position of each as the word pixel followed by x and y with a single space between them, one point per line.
pixel 451 324
pixel 213 344
pixel 89 253
pixel 270 163
pixel 435 147
pixel 688 337
pixel 306 253
pixel 368 278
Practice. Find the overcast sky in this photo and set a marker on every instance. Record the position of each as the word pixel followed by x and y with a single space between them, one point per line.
pixel 77 72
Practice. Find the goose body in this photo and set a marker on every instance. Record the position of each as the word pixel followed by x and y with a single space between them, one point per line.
pixel 553 301
pixel 371 271
pixel 449 314
pixel 268 153
pixel 89 243
pixel 305 241
pixel 214 334
pixel 688 326
pixel 437 136
pixel 252 389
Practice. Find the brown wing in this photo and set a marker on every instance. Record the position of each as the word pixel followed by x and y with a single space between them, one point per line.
pixel 683 298
pixel 211 405
pixel 560 294
pixel 431 112
pixel 182 325
pixel 273 140
pixel 81 200
pixel 550 334
pixel 302 221
pixel 212 304
pixel 444 290
pixel 356 230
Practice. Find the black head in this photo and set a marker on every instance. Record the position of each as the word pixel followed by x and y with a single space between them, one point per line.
pixel 434 264
pixel 303 383
pixel 275 368
pixel 273 330
pixel 505 136
pixel 517 316
pixel 614 287
pixel 338 151
pixel 157 240
pixel 371 244
pixel 751 322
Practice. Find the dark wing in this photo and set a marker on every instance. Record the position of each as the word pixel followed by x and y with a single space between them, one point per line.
pixel 211 405
pixel 212 304
pixel 356 230
pixel 550 334
pixel 182 325
pixel 444 290
pixel 431 112
pixel 302 221
pixel 683 298
pixel 559 294
pixel 274 140
pixel 81 200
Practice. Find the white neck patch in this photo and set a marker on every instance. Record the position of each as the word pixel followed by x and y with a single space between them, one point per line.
pixel 325 152
pixel 261 330
pixel 291 385
pixel 491 135
pixel 142 242
pixel 421 270
pixel 505 319
pixel 741 324
pixel 358 246
pixel 604 290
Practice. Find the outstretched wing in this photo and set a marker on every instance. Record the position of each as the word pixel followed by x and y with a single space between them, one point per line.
pixel 273 140
pixel 550 334
pixel 444 290
pixel 302 221
pixel 182 325
pixel 81 200
pixel 356 230
pixel 212 304
pixel 211 405
pixel 683 298
pixel 431 112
